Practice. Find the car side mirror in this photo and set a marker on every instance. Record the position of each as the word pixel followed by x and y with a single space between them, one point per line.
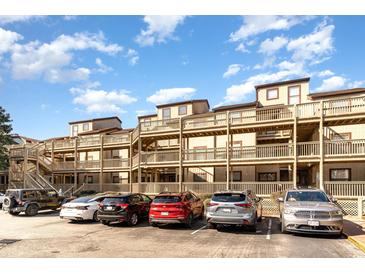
pixel 280 200
pixel 334 200
pixel 258 199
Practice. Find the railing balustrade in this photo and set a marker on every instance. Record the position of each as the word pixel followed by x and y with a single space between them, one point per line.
pixel 110 163
pixel 344 106
pixel 89 141
pixel 70 143
pixel 262 151
pixel 204 154
pixel 345 188
pixel 345 147
pixel 309 110
pixel 261 188
pixel 206 121
pixel 70 165
pixel 157 187
pixel 308 149
pixel 88 164
pixel 160 125
pixel 135 160
pixel 159 156
pixel 115 139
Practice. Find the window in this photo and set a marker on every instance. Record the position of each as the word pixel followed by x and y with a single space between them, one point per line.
pixel 200 177
pixel 183 110
pixel 90 157
pixel 85 127
pixel 115 179
pixel 267 176
pixel 237 176
pixel 272 94
pixel 147 122
pixel 340 174
pixel 75 130
pixel 166 113
pixel 294 95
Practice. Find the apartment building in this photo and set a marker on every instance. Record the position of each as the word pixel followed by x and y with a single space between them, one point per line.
pixel 289 136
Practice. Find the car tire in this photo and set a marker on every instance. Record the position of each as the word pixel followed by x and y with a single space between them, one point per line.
pixel 251 228
pixel 133 219
pixel 14 213
pixel 104 222
pixel 189 221
pixel 31 210
pixel 211 226
pixel 154 224
pixel 95 216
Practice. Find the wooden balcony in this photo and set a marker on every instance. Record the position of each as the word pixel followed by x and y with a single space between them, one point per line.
pixel 116 163
pixel 91 165
pixel 116 139
pixel 158 157
pixel 159 125
pixel 345 188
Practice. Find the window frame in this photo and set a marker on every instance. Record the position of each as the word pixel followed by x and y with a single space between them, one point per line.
pixel 237 172
pixel 263 173
pixel 291 96
pixel 340 179
pixel 163 113
pixel 272 89
pixel 75 132
pixel 83 127
pixel 186 110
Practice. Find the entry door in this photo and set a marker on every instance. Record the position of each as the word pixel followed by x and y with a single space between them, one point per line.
pixel 284 175
pixel 302 177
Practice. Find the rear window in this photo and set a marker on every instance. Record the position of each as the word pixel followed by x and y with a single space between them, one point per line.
pixel 167 199
pixel 229 197
pixel 113 200
pixel 82 200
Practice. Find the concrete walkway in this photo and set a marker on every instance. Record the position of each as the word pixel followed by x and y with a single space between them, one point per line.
pixel 354 229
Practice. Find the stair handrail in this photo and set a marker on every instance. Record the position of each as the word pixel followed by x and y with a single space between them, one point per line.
pixel 28 175
pixel 46 182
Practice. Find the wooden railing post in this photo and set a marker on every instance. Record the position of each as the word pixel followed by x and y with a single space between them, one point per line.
pixel 101 159
pixel 321 148
pixel 139 157
pixel 228 150
pixel 295 148
pixel 180 156
pixel 130 162
pixel 75 163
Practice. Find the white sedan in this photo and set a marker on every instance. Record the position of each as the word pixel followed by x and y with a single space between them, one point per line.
pixel 2 196
pixel 83 208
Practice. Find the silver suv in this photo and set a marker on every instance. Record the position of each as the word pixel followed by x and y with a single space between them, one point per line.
pixel 234 208
pixel 310 211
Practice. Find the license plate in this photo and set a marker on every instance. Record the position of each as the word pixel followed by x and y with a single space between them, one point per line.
pixel 227 210
pixel 109 208
pixel 313 223
pixel 164 213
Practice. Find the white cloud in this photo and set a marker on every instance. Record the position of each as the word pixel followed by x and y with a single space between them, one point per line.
pixel 270 46
pixel 159 29
pixel 8 39
pixel 133 56
pixel 332 83
pixel 69 17
pixel 241 48
pixel 256 24
pixel 101 101
pixel 102 68
pixel 52 61
pixel 232 70
pixel 9 19
pixel 163 96
pixel 313 46
pixel 325 73
pixel 356 84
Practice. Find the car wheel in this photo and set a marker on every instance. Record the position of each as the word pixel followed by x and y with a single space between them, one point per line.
pixel 133 220
pixel 189 221
pixel 31 210
pixel 212 226
pixel 95 216
pixel 14 213
pixel 251 228
pixel 105 222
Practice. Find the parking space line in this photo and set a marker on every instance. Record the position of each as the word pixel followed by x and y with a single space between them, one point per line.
pixel 268 235
pixel 192 233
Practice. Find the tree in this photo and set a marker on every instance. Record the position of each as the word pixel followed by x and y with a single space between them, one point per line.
pixel 5 137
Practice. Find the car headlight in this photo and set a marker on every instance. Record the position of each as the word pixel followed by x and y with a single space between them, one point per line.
pixel 336 213
pixel 289 211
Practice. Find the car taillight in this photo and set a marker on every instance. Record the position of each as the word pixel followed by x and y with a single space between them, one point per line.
pixel 212 204
pixel 123 206
pixel 82 207
pixel 243 204
pixel 100 206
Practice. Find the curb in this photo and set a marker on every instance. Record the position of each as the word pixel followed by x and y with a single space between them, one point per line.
pixel 360 245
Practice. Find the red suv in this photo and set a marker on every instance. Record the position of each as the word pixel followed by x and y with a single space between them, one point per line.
pixel 176 208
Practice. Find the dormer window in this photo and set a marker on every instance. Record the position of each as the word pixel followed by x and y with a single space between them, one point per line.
pixel 85 127
pixel 75 130
pixel 272 94
pixel 183 110
pixel 294 95
pixel 166 113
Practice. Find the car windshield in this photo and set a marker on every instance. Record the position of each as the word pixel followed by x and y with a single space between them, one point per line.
pixel 115 200
pixel 229 197
pixel 12 193
pixel 167 199
pixel 82 200
pixel 306 196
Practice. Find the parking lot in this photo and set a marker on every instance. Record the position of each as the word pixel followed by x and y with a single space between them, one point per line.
pixel 46 235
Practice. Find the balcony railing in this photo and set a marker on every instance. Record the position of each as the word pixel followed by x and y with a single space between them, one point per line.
pixel 58 144
pixel 159 187
pixel 88 164
pixel 308 149
pixel 135 134
pixel 345 188
pixel 345 147
pixel 205 121
pixel 94 140
pixel 135 160
pixel 262 188
pixel 344 106
pixel 205 154
pixel 160 125
pixel 159 157
pixel 309 110
pixel 116 163
pixel 116 139
pixel 70 165
pixel 262 151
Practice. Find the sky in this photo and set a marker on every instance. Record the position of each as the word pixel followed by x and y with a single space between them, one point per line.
pixel 57 69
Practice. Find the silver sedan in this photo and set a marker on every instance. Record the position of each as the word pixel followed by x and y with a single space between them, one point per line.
pixel 234 208
pixel 310 211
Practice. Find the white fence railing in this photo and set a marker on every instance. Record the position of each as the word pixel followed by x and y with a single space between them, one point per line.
pixel 159 125
pixel 345 188
pixel 159 187
pixel 159 157
pixel 116 163
pixel 345 147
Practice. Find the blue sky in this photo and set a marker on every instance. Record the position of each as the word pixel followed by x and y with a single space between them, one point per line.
pixel 57 69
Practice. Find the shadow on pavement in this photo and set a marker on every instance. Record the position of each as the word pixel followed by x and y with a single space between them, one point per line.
pixel 352 229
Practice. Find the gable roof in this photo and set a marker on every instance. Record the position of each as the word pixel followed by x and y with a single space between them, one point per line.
pixel 294 81
pixel 235 106
pixel 96 119
pixel 184 102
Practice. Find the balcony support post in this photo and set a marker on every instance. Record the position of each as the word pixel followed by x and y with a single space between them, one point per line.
pixel 130 161
pixel 321 148
pixel 139 158
pixel 228 145
pixel 75 164
pixel 294 143
pixel 101 158
pixel 25 165
pixel 52 158
pixel 180 156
